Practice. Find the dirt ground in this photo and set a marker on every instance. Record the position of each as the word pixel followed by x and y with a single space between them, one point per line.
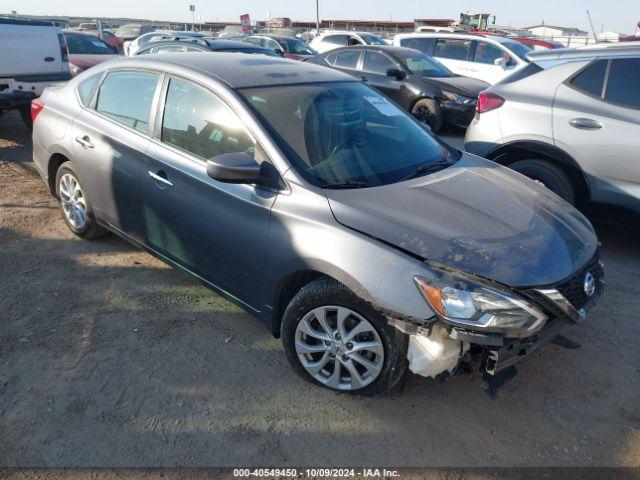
pixel 110 358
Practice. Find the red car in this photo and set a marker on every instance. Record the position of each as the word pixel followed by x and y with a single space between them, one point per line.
pixel 85 51
pixel 109 38
pixel 537 44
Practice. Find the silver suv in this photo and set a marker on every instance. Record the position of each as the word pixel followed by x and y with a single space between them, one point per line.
pixel 570 120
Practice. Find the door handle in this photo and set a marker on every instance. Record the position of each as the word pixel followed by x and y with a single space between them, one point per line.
pixel 585 124
pixel 161 179
pixel 49 59
pixel 85 142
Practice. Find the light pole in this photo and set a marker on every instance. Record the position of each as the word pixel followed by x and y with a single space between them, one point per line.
pixel 317 17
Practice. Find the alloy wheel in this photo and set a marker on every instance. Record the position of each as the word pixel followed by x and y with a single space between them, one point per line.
pixel 339 348
pixel 73 202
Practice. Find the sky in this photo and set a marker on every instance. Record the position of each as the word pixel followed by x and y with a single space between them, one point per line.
pixel 611 15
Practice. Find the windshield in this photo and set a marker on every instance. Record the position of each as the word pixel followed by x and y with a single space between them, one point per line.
pixel 520 49
pixel 420 64
pixel 87 44
pixel 128 31
pixel 372 39
pixel 298 47
pixel 346 135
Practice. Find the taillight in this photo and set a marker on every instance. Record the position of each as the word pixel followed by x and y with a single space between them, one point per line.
pixel 37 106
pixel 64 51
pixel 488 101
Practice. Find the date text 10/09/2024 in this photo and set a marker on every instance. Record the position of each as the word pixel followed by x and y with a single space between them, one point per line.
pixel 316 472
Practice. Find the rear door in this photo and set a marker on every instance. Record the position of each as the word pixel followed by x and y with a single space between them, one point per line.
pixel 30 48
pixel 374 72
pixel 348 61
pixel 597 121
pixel 454 53
pixel 209 227
pixel 110 140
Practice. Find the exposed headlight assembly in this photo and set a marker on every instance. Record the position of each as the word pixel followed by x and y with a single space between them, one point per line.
pixel 469 304
pixel 454 97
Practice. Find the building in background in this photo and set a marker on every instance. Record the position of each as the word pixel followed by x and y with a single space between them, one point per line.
pixel 543 30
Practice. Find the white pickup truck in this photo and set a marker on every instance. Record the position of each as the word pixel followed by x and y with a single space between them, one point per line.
pixel 33 55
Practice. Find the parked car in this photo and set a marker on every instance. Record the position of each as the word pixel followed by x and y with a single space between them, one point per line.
pixel 92 26
pixel 330 40
pixel 86 51
pixel 286 47
pixel 415 81
pixel 311 200
pixel 33 55
pixel 204 45
pixel 132 31
pixel 539 44
pixel 131 47
pixel 570 120
pixel 116 43
pixel 488 58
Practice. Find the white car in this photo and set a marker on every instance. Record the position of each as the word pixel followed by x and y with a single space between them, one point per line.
pixel 132 47
pixel 33 55
pixel 488 58
pixel 335 39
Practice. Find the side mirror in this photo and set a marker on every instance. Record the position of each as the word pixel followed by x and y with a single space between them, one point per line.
pixel 240 167
pixel 396 73
pixel 233 168
pixel 500 62
pixel 280 52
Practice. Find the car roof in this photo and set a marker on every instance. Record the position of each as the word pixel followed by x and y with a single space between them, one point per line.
pixel 212 43
pixel 391 49
pixel 586 53
pixel 239 70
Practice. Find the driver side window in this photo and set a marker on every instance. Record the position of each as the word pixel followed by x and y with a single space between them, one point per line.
pixel 197 122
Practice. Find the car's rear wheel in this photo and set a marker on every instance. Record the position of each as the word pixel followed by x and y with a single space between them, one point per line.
pixel 74 203
pixel 549 175
pixel 428 111
pixel 335 339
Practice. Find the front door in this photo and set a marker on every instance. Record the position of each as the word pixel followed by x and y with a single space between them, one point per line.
pixel 109 145
pixel 217 230
pixel 483 65
pixel 454 54
pixel 374 72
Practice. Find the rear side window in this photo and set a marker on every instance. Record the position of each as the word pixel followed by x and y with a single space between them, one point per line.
pixel 622 86
pixel 591 79
pixel 126 97
pixel 347 59
pixel 331 58
pixel 425 45
pixel 197 122
pixel 337 39
pixel 375 62
pixel 86 88
pixel 452 48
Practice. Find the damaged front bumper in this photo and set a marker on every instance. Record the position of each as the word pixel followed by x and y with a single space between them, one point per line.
pixel 496 355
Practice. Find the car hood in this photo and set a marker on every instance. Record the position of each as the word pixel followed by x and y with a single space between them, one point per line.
pixel 88 61
pixel 469 87
pixel 478 217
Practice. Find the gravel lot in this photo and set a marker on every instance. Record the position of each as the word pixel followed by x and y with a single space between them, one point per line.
pixel 110 358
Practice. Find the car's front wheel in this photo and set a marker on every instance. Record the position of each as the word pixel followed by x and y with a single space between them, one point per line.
pixel 335 339
pixel 428 111
pixel 74 203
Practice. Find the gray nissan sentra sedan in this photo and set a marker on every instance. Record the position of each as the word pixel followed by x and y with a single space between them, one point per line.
pixel 321 207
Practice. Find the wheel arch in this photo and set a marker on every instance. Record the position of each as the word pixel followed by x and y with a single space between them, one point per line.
pixel 509 153
pixel 53 165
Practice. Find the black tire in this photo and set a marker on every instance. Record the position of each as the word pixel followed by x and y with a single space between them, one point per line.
pixel 429 112
pixel 90 229
pixel 25 113
pixel 551 176
pixel 326 291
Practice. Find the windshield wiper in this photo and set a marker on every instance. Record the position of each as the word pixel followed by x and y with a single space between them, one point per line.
pixel 346 185
pixel 427 168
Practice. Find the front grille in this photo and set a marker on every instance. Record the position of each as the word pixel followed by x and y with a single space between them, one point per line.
pixel 573 289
